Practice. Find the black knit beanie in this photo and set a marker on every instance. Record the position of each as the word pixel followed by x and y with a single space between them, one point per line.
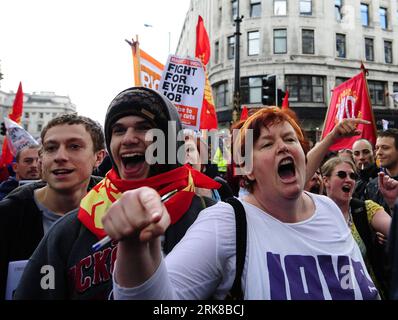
pixel 148 104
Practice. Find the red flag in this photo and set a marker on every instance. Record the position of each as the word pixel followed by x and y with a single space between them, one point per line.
pixel 202 50
pixel 15 115
pixel 244 114
pixel 208 117
pixel 285 103
pixel 351 100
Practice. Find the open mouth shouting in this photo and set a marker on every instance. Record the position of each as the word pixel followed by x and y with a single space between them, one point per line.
pixel 346 188
pixel 133 164
pixel 287 170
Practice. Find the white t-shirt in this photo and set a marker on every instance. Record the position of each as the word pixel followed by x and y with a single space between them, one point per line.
pixel 313 259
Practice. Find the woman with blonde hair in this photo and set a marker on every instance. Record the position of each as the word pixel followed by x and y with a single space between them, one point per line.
pixel 362 217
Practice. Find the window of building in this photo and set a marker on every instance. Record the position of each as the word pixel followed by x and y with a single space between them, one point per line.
pixel 41 115
pixel 338 5
pixel 280 7
pixel 231 47
pixel 251 89
pixel 253 43
pixel 340 80
pixel 395 87
pixel 340 45
pixel 306 7
pixel 377 92
pixel 369 49
pixel 27 115
pixel 388 51
pixel 365 14
pixel 308 41
pixel 383 18
pixel 39 127
pixel 216 52
pixel 305 88
pixel 280 41
pixel 255 8
pixel 222 98
pixel 234 9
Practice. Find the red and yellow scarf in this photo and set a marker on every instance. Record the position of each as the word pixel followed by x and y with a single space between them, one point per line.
pixel 96 203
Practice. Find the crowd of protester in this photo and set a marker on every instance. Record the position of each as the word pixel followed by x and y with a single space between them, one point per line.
pixel 313 218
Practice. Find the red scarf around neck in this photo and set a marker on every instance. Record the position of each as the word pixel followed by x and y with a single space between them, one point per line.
pixel 184 179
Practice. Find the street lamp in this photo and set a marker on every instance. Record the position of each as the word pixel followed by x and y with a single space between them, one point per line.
pixel 236 106
pixel 151 26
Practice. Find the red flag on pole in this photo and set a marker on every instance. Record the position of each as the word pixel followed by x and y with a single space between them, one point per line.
pixel 208 117
pixel 285 103
pixel 351 100
pixel 244 114
pixel 15 115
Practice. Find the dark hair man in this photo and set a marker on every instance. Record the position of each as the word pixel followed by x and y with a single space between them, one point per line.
pixel 72 146
pixel 387 155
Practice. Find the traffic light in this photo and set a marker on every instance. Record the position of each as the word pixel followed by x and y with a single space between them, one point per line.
pixel 3 129
pixel 281 95
pixel 268 90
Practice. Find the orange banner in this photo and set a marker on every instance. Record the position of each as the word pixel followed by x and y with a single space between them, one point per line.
pixel 147 70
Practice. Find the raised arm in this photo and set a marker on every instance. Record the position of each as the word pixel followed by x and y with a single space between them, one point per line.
pixel 346 128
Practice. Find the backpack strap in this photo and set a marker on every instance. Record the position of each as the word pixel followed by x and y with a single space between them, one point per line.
pixel 236 292
pixel 360 217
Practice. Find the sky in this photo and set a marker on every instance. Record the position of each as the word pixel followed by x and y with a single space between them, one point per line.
pixel 77 48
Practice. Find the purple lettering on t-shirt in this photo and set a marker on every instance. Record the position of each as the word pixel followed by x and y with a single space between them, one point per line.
pixel 276 277
pixel 366 285
pixel 339 285
pixel 303 277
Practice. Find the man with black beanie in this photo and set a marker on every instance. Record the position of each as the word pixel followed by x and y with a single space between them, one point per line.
pixel 134 117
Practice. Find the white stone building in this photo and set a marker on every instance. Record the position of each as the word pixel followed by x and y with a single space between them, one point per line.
pixel 309 45
pixel 38 109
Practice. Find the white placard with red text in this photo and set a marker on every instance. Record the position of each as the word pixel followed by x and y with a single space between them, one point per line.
pixel 183 82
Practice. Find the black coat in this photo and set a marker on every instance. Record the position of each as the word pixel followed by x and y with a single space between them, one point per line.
pixel 21 226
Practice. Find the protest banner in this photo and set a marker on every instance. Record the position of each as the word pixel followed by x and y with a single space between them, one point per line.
pixel 147 70
pixel 17 137
pixel 182 83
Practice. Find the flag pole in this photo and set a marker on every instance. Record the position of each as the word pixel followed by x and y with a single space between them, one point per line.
pixel 366 73
pixel 135 47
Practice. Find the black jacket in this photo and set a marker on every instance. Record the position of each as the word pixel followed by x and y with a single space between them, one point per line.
pixel 79 272
pixel 373 193
pixel 393 254
pixel 7 186
pixel 21 226
pixel 364 177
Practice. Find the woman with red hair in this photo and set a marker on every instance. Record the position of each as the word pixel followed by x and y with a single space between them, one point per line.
pixel 298 243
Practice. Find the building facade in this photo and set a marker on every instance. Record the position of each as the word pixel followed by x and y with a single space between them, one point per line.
pixel 310 46
pixel 38 109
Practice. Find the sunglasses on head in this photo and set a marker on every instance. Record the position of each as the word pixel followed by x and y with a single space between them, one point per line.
pixel 343 175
